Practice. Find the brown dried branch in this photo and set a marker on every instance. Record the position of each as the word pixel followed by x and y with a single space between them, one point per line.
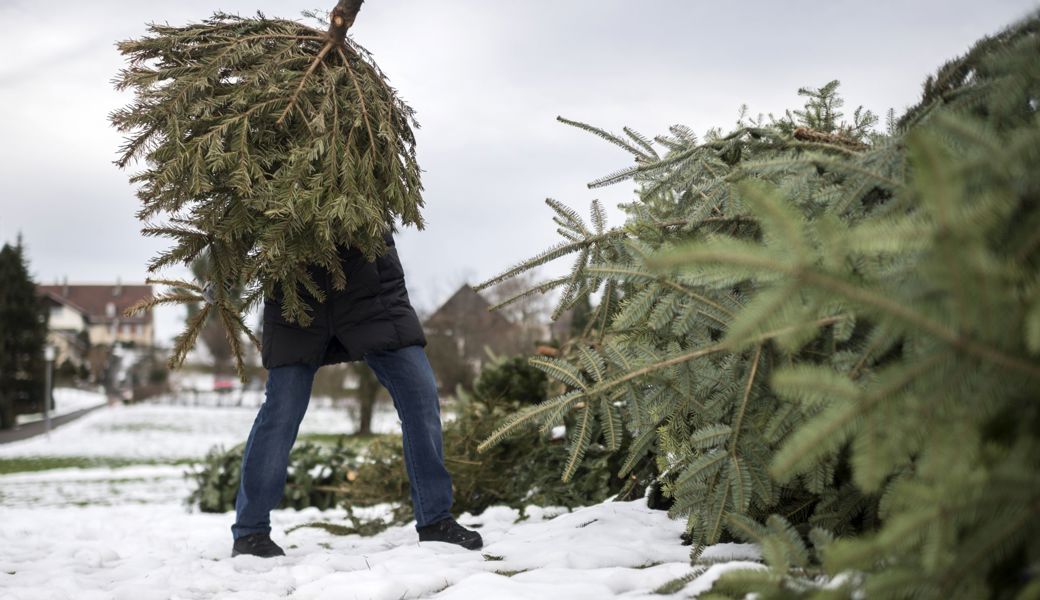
pixel 812 135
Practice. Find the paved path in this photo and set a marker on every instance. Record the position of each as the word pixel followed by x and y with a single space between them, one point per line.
pixel 28 430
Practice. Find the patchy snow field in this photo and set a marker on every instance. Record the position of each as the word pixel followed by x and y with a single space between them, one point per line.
pixel 67 400
pixel 56 488
pixel 158 431
pixel 126 534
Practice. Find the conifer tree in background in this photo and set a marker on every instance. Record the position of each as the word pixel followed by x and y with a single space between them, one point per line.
pixel 23 334
pixel 829 341
pixel 268 143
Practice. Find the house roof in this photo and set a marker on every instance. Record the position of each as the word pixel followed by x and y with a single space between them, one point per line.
pixel 93 300
pixel 56 298
pixel 469 303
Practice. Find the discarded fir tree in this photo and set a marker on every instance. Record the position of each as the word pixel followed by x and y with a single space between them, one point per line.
pixel 826 339
pixel 268 144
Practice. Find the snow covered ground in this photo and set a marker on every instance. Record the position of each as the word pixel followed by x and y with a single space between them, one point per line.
pixel 157 431
pixel 57 488
pixel 613 549
pixel 68 400
pixel 126 534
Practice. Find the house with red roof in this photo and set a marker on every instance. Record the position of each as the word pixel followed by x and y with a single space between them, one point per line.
pixel 92 314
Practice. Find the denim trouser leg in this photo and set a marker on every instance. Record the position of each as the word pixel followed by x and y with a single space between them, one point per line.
pixel 407 374
pixel 265 459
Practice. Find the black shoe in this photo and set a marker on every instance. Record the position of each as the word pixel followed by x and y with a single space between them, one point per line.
pixel 257 544
pixel 448 530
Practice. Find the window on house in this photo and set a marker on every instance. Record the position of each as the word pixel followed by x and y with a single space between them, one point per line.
pixel 110 309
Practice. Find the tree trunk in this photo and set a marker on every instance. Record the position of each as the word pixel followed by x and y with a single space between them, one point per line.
pixel 7 416
pixel 368 391
pixel 342 17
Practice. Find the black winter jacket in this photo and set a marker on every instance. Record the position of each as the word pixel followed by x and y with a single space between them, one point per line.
pixel 372 313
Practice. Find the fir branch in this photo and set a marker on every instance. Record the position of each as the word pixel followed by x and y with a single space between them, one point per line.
pixel 822 434
pixel 527 416
pixel 545 256
pixel 582 436
pixel 832 284
pixel 738 420
pixel 540 288
pixel 610 137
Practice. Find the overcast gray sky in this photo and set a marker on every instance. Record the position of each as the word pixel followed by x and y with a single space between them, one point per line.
pixel 487 79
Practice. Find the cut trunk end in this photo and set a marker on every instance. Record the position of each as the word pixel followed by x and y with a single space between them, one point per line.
pixel 342 18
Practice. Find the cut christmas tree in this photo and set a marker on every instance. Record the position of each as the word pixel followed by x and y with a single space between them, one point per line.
pixel 269 146
pixel 823 338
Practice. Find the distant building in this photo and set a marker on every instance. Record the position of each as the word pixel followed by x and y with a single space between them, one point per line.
pixel 462 328
pixel 89 313
pixel 465 319
pixel 67 330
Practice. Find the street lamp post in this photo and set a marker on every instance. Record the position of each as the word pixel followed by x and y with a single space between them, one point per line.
pixel 48 355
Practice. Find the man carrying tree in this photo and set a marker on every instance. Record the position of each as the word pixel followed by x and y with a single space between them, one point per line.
pixel 284 154
pixel 372 320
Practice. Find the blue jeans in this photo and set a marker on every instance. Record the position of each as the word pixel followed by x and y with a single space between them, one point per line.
pixel 406 373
